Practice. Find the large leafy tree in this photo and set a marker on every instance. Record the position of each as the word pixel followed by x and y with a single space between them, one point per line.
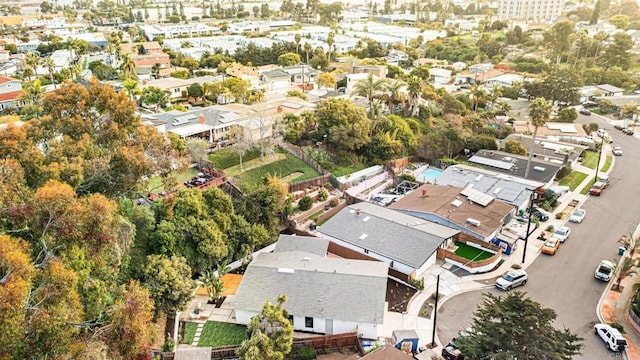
pixel 539 114
pixel 558 38
pixel 346 125
pixel 617 52
pixel 169 282
pixel 271 333
pixel 371 88
pixel 514 326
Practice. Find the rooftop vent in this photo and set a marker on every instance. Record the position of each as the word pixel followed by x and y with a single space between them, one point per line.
pixel 479 177
pixel 358 212
pixel 456 203
pixel 507 158
pixel 366 218
pixel 306 258
pixel 473 221
pixel 363 236
pixel 497 190
pixel 285 270
pixel 539 168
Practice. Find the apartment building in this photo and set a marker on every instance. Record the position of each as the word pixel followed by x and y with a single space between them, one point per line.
pixel 534 10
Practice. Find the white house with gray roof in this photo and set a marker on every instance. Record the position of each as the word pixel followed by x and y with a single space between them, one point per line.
pixel 324 295
pixel 405 243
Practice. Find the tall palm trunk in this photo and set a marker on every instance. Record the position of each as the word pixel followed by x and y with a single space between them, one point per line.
pixel 533 141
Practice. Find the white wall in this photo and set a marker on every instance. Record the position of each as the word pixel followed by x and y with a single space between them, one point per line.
pixel 430 261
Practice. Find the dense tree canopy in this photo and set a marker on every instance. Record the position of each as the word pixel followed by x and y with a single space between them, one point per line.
pixel 513 326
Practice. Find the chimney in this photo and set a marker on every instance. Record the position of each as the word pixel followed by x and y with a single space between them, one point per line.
pixel 201 119
pixel 358 212
pixel 424 194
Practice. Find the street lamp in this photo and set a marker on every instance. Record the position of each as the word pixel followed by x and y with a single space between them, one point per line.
pixel 595 178
pixel 526 237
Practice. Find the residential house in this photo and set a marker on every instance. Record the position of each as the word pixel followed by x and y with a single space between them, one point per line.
pixel 542 168
pixel 207 123
pixel 322 292
pixel 10 93
pixel 541 10
pixel 302 74
pixel 248 27
pixel 9 68
pixel 146 55
pixel 508 80
pixel 395 57
pixel 175 87
pixel 352 80
pixel 405 243
pixel 478 74
pixel 439 75
pixel 276 79
pixel 510 189
pixel 550 129
pixel 175 31
pixel 245 73
pixel 379 71
pixel 4 55
pixel 549 149
pixel 470 211
pixel 610 90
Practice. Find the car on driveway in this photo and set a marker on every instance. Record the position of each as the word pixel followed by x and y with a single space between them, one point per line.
pixel 617 151
pixel 551 246
pixel 596 188
pixel 539 214
pixel 562 233
pixel 585 112
pixel 511 279
pixel 577 216
pixel 605 270
pixel 611 336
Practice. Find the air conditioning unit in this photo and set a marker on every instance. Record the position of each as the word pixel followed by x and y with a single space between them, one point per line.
pixel 473 221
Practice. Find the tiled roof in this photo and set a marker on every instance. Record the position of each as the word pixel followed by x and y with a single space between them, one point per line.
pixel 11 95
pixel 7 79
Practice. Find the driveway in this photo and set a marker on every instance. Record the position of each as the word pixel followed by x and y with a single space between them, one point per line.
pixel 565 282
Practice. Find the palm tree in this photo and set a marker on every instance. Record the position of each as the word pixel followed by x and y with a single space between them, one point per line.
pixel 415 87
pixel 307 50
pixel 128 67
pixel 51 67
pixel 394 93
pixel 33 60
pixel 627 268
pixel 539 113
pixel 131 86
pixel 297 38
pixel 330 41
pixel 369 88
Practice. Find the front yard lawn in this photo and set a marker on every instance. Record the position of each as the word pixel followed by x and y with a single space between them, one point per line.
pixel 189 332
pixel 471 253
pixel 586 188
pixel 221 334
pixel 572 180
pixel 590 159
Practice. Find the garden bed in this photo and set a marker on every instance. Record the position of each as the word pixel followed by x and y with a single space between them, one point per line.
pixel 398 296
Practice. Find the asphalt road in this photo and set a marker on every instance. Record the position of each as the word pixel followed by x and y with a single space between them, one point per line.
pixel 565 282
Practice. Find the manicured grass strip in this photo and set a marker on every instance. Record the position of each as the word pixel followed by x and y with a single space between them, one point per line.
pixel 471 253
pixel 573 180
pixel 222 334
pixel 189 332
pixel 281 168
pixel 344 170
pixel 228 157
pixel 586 188
pixel 154 182
pixel 590 159
pixel 607 164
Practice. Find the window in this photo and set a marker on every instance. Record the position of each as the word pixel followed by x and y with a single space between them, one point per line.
pixel 308 322
pixel 291 319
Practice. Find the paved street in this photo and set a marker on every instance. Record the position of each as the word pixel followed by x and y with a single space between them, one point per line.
pixel 565 281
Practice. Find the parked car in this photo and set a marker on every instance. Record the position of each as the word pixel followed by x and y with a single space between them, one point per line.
pixel 562 233
pixel 604 178
pixel 618 126
pixel 539 214
pixel 551 246
pixel 511 279
pixel 611 336
pixel 617 151
pixel 628 131
pixel 585 112
pixel 577 216
pixel 596 188
pixel 589 104
pixel 603 133
pixel 450 352
pixel 605 270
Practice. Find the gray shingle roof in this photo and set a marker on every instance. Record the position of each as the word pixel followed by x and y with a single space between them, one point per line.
pixel 538 171
pixel 316 286
pixel 400 237
pixel 310 244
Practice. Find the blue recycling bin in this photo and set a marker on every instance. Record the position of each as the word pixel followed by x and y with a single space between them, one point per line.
pixel 621 250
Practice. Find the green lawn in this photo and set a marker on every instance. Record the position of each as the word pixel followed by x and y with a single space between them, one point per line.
pixel 471 253
pixel 586 188
pixel 344 170
pixel 228 157
pixel 573 180
pixel 290 165
pixel 221 334
pixel 154 182
pixel 607 164
pixel 189 332
pixel 590 159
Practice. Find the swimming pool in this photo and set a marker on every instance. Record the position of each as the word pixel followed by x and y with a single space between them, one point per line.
pixel 430 175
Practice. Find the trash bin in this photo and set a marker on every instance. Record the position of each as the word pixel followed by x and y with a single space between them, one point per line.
pixel 621 250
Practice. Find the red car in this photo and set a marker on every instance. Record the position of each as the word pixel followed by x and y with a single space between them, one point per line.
pixel 597 188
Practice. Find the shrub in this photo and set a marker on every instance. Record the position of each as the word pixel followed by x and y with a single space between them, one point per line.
pixel 334 202
pixel 304 353
pixel 305 203
pixel 323 194
pixel 564 171
pixel 617 326
pixel 408 177
pixel 417 283
pixel 549 228
pixel 516 266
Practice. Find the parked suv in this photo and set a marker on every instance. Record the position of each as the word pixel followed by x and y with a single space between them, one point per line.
pixel 540 214
pixel 604 271
pixel 612 338
pixel 511 279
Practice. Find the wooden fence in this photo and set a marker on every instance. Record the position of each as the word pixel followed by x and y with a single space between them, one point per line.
pixel 300 154
pixel 316 181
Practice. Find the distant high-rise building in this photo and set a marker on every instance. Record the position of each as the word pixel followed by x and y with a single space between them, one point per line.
pixel 534 10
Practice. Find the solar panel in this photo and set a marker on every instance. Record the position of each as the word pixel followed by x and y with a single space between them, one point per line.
pixel 477 196
pixel 491 162
pixel 509 195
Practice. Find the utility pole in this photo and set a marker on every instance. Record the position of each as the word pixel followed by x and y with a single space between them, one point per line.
pixel 435 312
pixel 595 178
pixel 526 237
